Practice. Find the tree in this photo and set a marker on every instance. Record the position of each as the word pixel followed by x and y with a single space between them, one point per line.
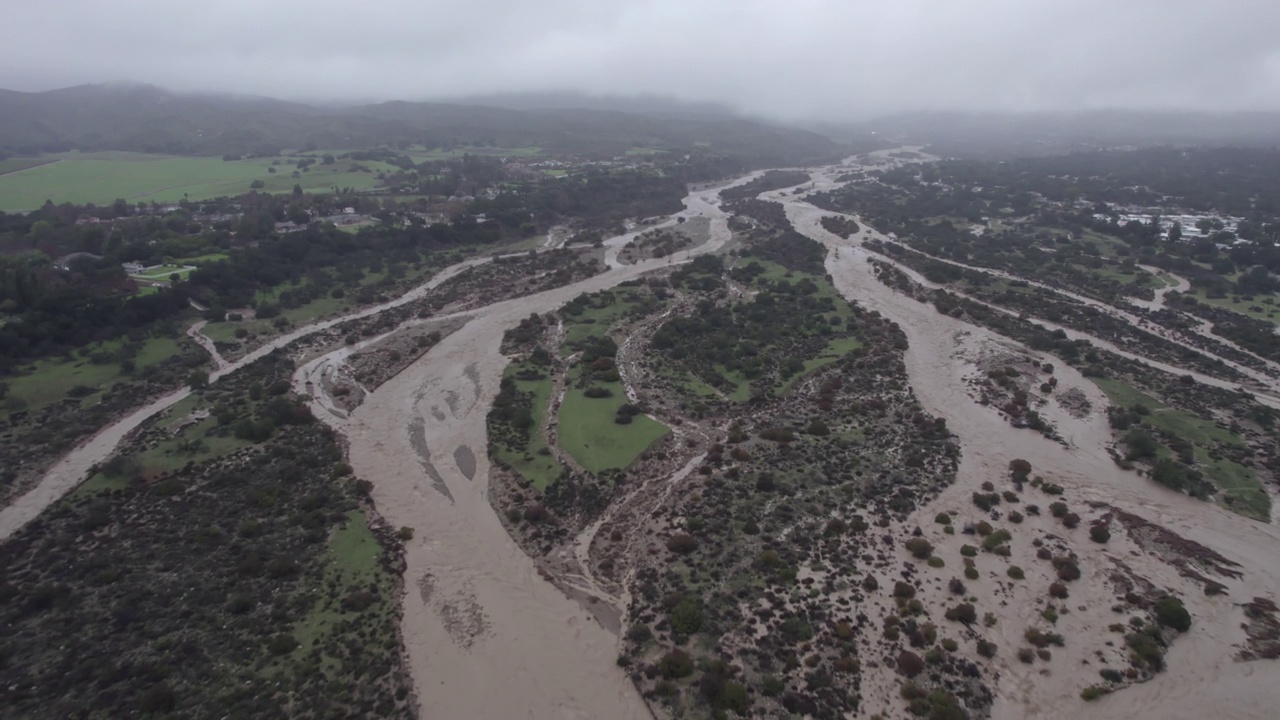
pixel 198 380
pixel 40 230
pixel 1175 232
pixel 676 664
pixel 686 617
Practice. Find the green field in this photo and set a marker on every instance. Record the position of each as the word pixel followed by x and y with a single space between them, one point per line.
pixel 589 434
pixel 204 259
pixel 52 379
pixel 12 165
pixel 104 177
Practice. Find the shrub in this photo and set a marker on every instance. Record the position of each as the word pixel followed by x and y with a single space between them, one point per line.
pixel 1093 692
pixel 1111 675
pixel 942 519
pixel 937 562
pixel 1043 639
pixel 968 551
pixel 1058 590
pixel 1015 572
pixel 686 617
pixel 986 501
pixel 920 548
pixel 771 686
pixel 1171 613
pixel 1026 655
pixel 282 644
pixel 956 586
pixel 903 590
pixel 682 543
pixel 986 649
pixel 404 534
pixel 1070 520
pixel 676 664
pixel 996 539
pixel 964 613
pixel 971 573
pixel 1058 509
pixel 1099 533
pixel 910 664
pixel 1019 467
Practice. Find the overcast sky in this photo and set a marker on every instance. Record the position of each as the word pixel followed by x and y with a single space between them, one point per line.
pixel 788 59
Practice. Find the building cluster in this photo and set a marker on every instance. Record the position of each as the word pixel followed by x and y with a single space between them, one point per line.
pixel 1192 227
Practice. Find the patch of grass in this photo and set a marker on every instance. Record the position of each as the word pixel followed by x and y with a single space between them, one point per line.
pixel 589 434
pixel 351 565
pixel 536 464
pixel 1239 490
pixel 162 272
pixel 1270 313
pixel 836 349
pixel 53 378
pixel 205 259
pixel 197 443
pixel 592 321
pixel 1185 425
pixel 100 482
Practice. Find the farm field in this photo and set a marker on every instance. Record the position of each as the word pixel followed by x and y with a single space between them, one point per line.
pixel 103 177
pixel 588 431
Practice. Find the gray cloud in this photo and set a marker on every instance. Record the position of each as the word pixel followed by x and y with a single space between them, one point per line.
pixel 798 59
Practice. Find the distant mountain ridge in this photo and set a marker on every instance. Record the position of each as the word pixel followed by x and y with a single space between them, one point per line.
pixel 145 118
pixel 1045 133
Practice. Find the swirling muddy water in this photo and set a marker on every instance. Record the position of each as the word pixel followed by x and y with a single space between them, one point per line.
pixel 1203 680
pixel 487 636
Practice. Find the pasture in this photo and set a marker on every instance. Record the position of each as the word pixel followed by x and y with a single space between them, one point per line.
pixel 103 177
pixel 588 431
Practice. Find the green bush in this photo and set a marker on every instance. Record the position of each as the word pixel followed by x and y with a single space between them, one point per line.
pixel 919 547
pixel 1171 613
